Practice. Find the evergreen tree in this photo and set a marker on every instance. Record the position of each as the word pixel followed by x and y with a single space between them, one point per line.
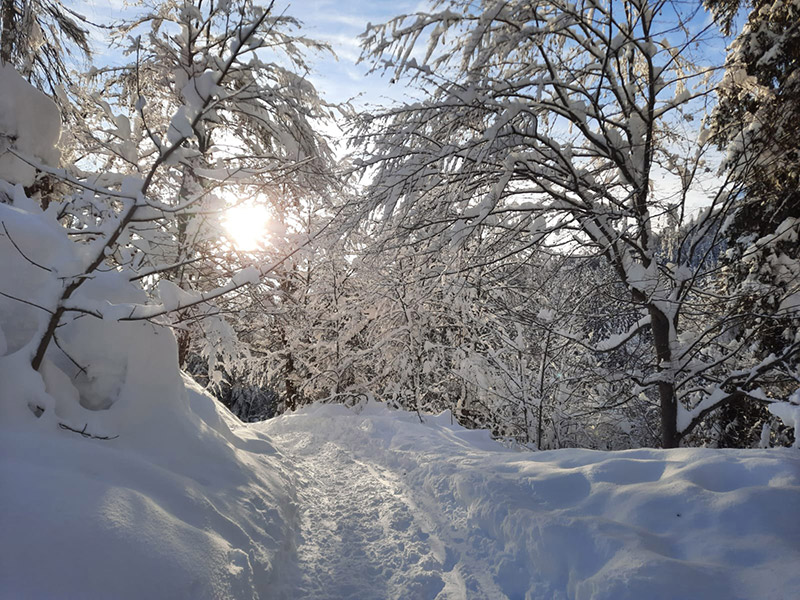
pixel 757 124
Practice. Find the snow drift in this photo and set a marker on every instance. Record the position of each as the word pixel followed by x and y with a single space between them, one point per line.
pixel 184 510
pixel 328 503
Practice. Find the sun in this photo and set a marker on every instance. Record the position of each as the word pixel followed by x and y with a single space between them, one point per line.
pixel 246 226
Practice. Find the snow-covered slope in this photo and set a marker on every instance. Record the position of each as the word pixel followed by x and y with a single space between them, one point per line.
pixel 192 512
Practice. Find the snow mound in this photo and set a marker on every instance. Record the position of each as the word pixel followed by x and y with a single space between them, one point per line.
pixel 489 522
pixel 29 122
pixel 101 376
pixel 197 512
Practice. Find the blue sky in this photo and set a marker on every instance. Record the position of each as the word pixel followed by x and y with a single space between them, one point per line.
pixel 337 22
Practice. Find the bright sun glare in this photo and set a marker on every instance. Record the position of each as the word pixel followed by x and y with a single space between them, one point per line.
pixel 246 226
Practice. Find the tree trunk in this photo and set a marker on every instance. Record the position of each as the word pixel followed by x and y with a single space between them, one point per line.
pixel 7 14
pixel 289 371
pixel 669 415
pixel 660 326
pixel 184 344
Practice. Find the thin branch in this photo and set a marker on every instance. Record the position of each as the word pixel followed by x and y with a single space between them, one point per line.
pixel 47 310
pixel 30 260
pixel 85 433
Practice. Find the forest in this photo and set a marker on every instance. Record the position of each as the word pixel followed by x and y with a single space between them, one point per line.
pixel 583 232
pixel 502 305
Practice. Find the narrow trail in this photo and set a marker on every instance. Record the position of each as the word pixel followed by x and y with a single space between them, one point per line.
pixel 384 506
pixel 361 534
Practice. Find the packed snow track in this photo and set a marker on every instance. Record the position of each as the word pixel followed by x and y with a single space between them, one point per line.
pixel 391 508
pixel 360 535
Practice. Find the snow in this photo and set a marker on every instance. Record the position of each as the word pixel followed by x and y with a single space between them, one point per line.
pixel 22 230
pixel 180 127
pixel 196 513
pixel 118 478
pixel 247 276
pixel 197 92
pixel 331 502
pixel 615 341
pixel 789 413
pixel 172 296
pixel 30 123
pixel 463 517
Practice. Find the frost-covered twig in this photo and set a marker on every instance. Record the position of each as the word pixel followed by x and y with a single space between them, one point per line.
pixel 132 204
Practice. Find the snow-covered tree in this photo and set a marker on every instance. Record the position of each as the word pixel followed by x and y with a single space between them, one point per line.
pixel 306 342
pixel 255 143
pixel 39 38
pixel 757 124
pixel 549 125
pixel 137 203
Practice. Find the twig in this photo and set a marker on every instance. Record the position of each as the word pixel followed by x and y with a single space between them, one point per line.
pixel 85 434
pixel 72 360
pixel 47 310
pixel 30 260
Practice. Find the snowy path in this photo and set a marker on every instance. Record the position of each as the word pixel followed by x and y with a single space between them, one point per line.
pixel 393 509
pixel 363 536
pixel 329 503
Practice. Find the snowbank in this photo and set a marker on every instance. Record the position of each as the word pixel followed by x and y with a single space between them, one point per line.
pixel 578 524
pixel 387 508
pixel 185 510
